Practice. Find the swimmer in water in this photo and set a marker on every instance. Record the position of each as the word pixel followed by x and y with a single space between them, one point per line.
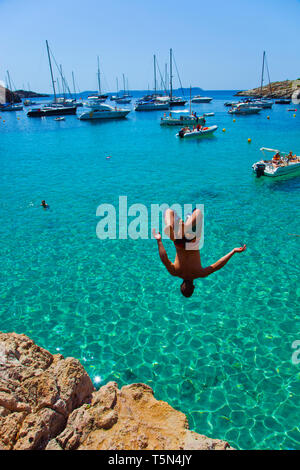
pixel 186 237
pixel 45 205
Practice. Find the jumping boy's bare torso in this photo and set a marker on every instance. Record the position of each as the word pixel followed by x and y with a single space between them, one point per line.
pixel 187 263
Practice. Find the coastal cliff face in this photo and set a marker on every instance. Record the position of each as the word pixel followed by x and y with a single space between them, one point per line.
pixel 7 96
pixel 49 402
pixel 284 89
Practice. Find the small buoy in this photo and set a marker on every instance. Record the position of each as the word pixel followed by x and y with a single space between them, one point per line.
pixel 107 158
pixel 233 120
pixel 3 120
pixel 294 115
pixel 268 117
pixel 223 129
pixel 249 140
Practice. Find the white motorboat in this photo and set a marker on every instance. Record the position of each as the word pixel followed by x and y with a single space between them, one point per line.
pixel 59 118
pixel 244 108
pixel 201 131
pixel 280 164
pixel 104 111
pixel 152 105
pixel 178 118
pixel 201 99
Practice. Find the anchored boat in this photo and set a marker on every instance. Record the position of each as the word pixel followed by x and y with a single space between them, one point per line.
pixel 244 108
pixel 201 99
pixel 104 111
pixel 198 132
pixel 280 164
pixel 178 118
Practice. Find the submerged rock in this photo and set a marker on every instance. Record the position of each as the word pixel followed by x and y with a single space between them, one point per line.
pixel 49 402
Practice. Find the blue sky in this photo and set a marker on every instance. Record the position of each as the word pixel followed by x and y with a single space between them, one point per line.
pixel 217 45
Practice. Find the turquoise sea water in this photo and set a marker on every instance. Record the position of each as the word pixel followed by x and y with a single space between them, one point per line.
pixel 224 356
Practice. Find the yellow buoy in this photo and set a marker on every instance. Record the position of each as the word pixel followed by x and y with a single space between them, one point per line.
pixel 249 140
pixel 268 117
pixel 233 120
pixel 294 115
pixel 224 129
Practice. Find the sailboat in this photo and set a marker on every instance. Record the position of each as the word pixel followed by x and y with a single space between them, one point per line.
pixel 12 106
pixel 262 102
pixel 174 101
pixel 54 109
pixel 179 118
pixel 150 103
pixel 99 96
pixel 125 99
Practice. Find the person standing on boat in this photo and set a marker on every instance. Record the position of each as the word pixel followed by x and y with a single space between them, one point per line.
pixel 186 237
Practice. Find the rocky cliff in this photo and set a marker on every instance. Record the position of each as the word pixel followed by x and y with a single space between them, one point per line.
pixel 284 89
pixel 7 96
pixel 49 402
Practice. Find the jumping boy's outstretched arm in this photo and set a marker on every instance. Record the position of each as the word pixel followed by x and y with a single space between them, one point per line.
pixel 163 254
pixel 222 261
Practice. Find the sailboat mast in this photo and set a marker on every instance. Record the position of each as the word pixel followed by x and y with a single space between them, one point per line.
pixel 190 100
pixel 123 84
pixel 99 82
pixel 117 86
pixel 154 63
pixel 171 87
pixel 62 82
pixel 51 71
pixel 9 84
pixel 262 73
pixel 166 75
pixel 73 82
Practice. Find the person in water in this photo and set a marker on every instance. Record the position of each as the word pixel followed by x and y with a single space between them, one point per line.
pixel 186 237
pixel 44 205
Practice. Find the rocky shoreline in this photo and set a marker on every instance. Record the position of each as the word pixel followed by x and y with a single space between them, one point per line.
pixel 283 89
pixel 49 402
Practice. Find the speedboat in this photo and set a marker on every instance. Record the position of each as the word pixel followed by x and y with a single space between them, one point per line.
pixel 280 164
pixel 104 111
pixel 176 101
pixel 123 99
pixel 283 101
pixel 244 108
pixel 28 103
pixel 11 107
pixel 151 105
pixel 60 118
pixel 201 131
pixel 201 99
pixel 178 118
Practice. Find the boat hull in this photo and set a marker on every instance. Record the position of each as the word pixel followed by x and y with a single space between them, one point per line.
pixel 172 103
pixel 244 111
pixel 200 133
pixel 103 115
pixel 167 121
pixel 151 107
pixel 52 112
pixel 201 100
pixel 292 168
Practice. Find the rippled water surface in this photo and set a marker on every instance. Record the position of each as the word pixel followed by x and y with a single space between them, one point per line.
pixel 224 356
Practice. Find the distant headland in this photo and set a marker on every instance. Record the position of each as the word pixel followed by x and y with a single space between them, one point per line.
pixel 283 89
pixel 30 94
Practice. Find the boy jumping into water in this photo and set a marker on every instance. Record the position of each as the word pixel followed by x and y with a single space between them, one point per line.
pixel 186 237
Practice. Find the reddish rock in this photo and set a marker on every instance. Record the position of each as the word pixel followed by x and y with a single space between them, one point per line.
pixel 48 402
